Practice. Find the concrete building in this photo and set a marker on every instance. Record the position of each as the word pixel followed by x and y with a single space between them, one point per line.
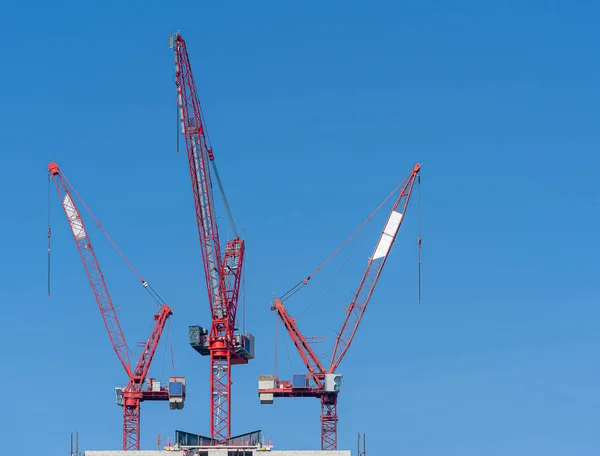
pixel 188 444
pixel 220 452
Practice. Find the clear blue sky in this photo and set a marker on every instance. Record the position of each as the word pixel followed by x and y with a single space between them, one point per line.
pixel 315 113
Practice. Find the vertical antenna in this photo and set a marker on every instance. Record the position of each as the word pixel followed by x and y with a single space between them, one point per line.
pixel 364 444
pixel 419 228
pixel 71 454
pixel 49 230
pixel 77 442
pixel 364 451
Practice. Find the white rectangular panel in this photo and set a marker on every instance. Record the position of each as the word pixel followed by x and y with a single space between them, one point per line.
pixel 74 218
pixel 387 237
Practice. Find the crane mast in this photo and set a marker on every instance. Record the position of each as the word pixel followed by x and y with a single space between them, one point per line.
pixel 325 383
pixel 134 393
pixel 223 275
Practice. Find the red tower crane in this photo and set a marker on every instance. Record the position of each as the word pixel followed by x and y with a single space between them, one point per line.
pixel 324 383
pixel 223 274
pixel 138 388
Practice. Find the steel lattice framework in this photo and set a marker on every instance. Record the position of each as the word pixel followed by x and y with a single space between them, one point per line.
pixel 324 383
pixel 134 393
pixel 223 274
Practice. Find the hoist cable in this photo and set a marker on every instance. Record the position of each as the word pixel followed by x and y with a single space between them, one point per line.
pixel 153 293
pixel 303 282
pixel 224 197
pixel 419 239
pixel 357 230
pixel 170 336
pixel 49 221
pixel 335 275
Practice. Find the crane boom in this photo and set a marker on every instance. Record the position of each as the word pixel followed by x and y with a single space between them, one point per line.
pixel 359 303
pixel 145 360
pixel 92 268
pixel 223 274
pixel 311 361
pixel 199 153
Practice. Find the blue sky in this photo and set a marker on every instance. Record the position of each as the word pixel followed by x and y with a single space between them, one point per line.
pixel 315 113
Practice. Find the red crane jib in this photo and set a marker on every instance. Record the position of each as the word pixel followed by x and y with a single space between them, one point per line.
pixel 138 388
pixel 92 268
pixel 324 383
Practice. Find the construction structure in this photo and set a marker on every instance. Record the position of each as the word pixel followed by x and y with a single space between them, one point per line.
pixel 321 382
pixel 228 451
pixel 139 388
pixel 221 342
pixel 187 444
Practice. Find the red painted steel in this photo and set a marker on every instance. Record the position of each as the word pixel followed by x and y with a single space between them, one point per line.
pixel 354 315
pixel 311 361
pixel 357 307
pixel 329 419
pixel 134 393
pixel 223 275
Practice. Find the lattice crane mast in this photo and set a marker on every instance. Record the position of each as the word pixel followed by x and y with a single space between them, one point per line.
pixel 321 382
pixel 223 274
pixel 139 388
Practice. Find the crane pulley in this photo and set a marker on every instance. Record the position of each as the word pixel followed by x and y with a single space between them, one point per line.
pixel 325 382
pixel 137 389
